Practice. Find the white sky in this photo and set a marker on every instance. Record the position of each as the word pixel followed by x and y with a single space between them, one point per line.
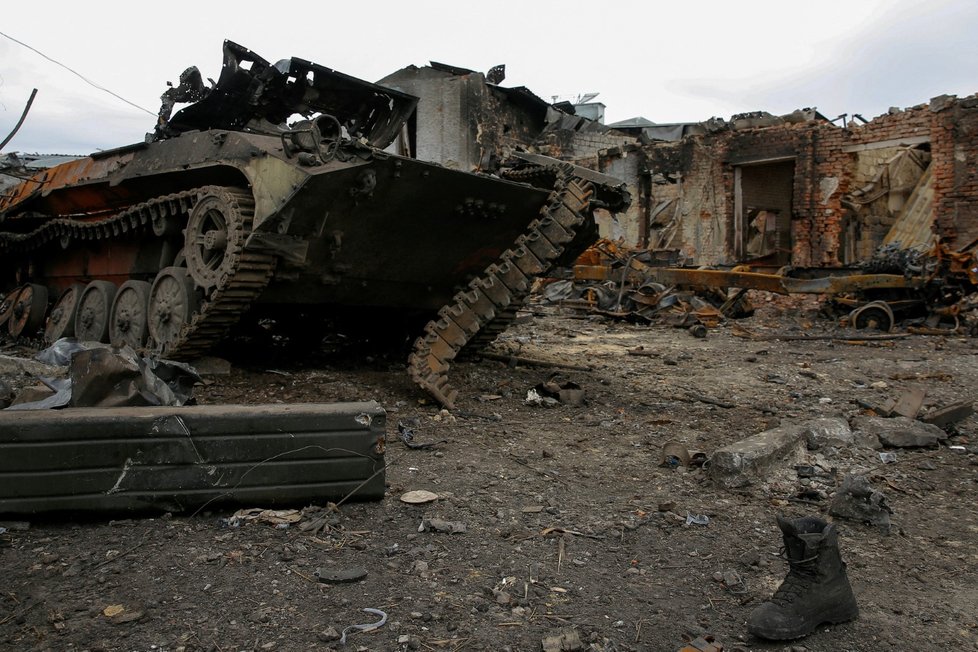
pixel 668 61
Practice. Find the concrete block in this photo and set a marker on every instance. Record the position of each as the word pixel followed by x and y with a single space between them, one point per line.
pixel 748 460
pixel 942 102
pixel 857 500
pixel 828 432
pixel 896 432
pixel 864 439
pixel 180 458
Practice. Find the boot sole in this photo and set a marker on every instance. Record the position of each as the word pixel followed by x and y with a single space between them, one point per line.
pixel 835 617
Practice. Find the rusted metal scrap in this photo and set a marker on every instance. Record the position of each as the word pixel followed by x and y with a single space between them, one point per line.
pixel 618 283
pixel 939 287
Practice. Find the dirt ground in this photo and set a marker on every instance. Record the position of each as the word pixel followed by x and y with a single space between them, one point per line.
pixel 572 527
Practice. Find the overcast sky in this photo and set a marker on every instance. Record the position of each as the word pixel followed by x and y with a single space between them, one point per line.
pixel 667 61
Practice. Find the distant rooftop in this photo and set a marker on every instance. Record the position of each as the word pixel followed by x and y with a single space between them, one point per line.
pixel 632 123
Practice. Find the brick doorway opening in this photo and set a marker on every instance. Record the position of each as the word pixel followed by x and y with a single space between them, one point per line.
pixel 762 212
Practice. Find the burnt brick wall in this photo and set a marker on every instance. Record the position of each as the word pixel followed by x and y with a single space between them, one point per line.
pixel 823 175
pixel 799 142
pixel 826 180
pixel 954 151
pixel 697 223
pixel 814 216
pixel 908 123
pixel 580 146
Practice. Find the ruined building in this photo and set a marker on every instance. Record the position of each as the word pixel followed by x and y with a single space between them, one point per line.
pixel 797 189
pixel 469 121
pixel 800 189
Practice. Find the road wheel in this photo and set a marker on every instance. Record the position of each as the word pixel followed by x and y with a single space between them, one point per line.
pixel 94 309
pixel 172 304
pixel 130 320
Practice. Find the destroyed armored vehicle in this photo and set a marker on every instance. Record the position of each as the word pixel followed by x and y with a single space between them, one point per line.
pixel 272 192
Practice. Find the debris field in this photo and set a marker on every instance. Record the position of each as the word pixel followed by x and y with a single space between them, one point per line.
pixel 510 524
pixel 605 462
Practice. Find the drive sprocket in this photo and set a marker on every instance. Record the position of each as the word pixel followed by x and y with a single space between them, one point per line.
pixel 215 234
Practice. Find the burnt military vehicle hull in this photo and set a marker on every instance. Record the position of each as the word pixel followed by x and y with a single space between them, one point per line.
pixel 166 244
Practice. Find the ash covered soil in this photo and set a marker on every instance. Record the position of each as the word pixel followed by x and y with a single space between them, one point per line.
pixel 572 527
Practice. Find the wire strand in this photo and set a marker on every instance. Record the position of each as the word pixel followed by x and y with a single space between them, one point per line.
pixel 79 75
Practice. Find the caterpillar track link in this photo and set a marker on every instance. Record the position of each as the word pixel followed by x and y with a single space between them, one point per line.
pixel 475 316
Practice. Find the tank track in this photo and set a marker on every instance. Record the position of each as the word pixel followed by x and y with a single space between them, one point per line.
pixel 135 219
pixel 474 317
pixel 537 175
pixel 246 277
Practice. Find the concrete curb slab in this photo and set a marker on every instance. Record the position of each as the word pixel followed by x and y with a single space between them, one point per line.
pixel 748 460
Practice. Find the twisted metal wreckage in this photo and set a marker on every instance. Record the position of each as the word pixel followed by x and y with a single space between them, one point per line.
pixel 936 289
pixel 228 208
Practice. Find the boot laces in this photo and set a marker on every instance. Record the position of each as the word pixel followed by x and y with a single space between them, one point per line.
pixel 802 573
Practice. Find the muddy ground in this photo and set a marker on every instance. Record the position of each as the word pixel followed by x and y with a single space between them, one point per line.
pixel 571 525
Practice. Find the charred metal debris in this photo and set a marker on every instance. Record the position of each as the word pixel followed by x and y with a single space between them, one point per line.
pixel 931 292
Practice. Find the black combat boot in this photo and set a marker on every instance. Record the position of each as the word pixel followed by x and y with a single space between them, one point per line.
pixel 816 589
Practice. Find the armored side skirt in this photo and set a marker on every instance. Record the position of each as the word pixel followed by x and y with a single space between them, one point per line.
pixel 177 459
